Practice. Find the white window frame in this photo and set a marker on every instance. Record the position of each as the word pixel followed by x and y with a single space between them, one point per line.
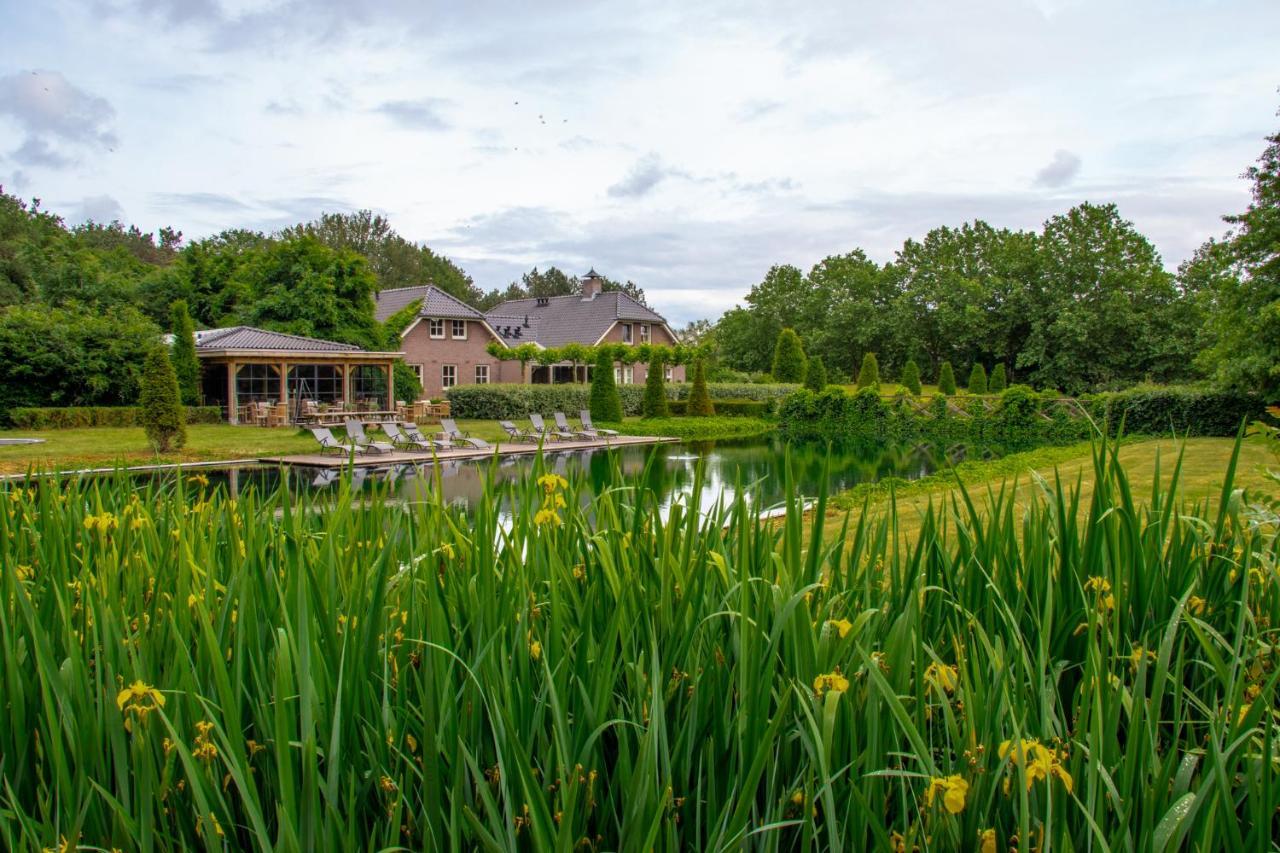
pixel 644 333
pixel 432 324
pixel 482 379
pixel 627 336
pixel 453 330
pixel 669 372
pixel 445 380
pixel 418 371
pixel 624 375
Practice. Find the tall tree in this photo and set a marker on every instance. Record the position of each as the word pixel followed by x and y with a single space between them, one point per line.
pixel 159 406
pixel 978 379
pixel 700 405
pixel 869 374
pixel 186 365
pixel 606 403
pixel 655 389
pixel 946 379
pixel 815 375
pixel 1241 286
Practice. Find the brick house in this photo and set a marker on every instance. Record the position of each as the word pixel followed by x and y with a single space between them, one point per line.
pixel 446 344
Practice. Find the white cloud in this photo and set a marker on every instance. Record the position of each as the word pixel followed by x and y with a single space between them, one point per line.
pixel 1061 170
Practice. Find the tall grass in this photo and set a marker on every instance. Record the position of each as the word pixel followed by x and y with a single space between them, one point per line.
pixel 368 674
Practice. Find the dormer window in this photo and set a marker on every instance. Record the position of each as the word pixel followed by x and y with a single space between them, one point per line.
pixel 626 333
pixel 436 328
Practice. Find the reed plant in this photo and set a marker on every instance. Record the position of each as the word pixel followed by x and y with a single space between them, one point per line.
pixel 564 669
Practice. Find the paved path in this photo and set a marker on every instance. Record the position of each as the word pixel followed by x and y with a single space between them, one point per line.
pixel 330 460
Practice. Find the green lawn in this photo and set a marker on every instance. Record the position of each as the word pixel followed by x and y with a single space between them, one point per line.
pixel 104 447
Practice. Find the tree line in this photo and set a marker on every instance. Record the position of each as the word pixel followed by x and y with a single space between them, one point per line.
pixel 1083 304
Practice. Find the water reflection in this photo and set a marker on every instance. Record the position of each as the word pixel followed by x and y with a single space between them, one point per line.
pixel 755 465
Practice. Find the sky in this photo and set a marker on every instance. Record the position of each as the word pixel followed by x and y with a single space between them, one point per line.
pixel 686 146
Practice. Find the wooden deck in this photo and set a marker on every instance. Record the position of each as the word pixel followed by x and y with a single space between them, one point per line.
pixel 373 460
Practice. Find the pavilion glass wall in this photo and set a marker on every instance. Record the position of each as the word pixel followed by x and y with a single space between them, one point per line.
pixel 369 386
pixel 257 383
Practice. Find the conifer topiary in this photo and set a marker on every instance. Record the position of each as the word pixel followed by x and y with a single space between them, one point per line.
pixel 700 405
pixel 978 379
pixel 946 379
pixel 815 375
pixel 789 362
pixel 606 403
pixel 159 403
pixel 869 375
pixel 186 366
pixel 911 377
pixel 998 381
pixel 655 388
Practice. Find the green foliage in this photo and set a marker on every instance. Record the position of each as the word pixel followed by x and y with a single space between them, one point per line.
pixel 728 408
pixel 407 386
pixel 606 404
pixel 788 358
pixel 901 617
pixel 159 403
pixel 911 377
pixel 770 392
pixel 712 428
pixel 869 373
pixel 815 375
pixel 655 392
pixel 946 379
pixel 72 356
pixel 700 405
pixel 76 417
pixel 998 381
pixel 978 379
pixel 515 402
pixel 186 365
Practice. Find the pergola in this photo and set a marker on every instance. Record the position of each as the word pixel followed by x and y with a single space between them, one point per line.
pixel 243 365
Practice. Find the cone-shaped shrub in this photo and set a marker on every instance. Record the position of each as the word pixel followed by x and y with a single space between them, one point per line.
pixel 185 364
pixel 911 377
pixel 869 375
pixel 160 406
pixel 946 379
pixel 789 362
pixel 606 403
pixel 654 404
pixel 997 382
pixel 815 375
pixel 978 380
pixel 699 396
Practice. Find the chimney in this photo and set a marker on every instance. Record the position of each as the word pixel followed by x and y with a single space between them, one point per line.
pixel 592 285
pixel 543 300
pixel 526 321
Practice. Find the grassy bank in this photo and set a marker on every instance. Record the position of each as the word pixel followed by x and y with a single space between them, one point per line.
pixel 182 669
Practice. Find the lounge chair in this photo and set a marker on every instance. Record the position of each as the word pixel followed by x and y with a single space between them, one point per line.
pixel 514 432
pixel 588 426
pixel 328 442
pixel 540 428
pixel 450 432
pixel 355 431
pixel 562 424
pixel 405 440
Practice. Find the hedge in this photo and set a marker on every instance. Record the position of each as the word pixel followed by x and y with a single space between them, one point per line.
pixel 493 402
pixel 1018 418
pixel 99 416
pixel 732 408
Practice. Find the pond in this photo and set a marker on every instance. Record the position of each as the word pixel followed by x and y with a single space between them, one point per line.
pixel 757 464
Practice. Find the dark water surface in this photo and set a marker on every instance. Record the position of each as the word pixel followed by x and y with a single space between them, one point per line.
pixel 756 463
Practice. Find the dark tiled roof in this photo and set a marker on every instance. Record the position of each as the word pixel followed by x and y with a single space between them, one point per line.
pixel 569 319
pixel 435 303
pixel 247 337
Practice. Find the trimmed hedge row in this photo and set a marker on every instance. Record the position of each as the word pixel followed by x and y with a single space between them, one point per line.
pixel 70 417
pixel 734 391
pixel 1019 418
pixel 493 402
pixel 731 408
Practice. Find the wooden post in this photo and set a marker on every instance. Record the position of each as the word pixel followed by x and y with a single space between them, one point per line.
pixel 284 388
pixel 233 407
pixel 391 386
pixel 346 385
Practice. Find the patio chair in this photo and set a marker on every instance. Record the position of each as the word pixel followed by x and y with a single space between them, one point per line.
pixel 355 431
pixel 562 424
pixel 540 428
pixel 404 439
pixel 587 425
pixel 449 432
pixel 328 442
pixel 523 436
